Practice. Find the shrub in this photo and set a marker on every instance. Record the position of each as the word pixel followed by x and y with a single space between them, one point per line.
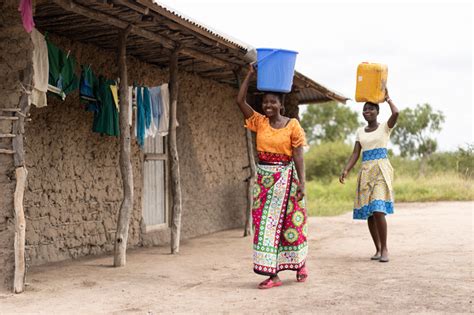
pixel 326 160
pixel 460 161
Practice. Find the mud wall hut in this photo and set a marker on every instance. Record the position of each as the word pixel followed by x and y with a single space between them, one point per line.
pixel 74 189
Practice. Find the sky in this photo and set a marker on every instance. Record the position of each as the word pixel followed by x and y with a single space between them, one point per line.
pixel 427 46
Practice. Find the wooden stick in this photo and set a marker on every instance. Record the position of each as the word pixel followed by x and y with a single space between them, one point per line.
pixel 10 109
pixel 6 151
pixel 8 118
pixel 250 183
pixel 7 135
pixel 253 170
pixel 20 226
pixel 174 158
pixel 126 207
pixel 156 157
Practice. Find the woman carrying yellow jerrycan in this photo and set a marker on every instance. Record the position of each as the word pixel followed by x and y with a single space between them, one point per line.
pixel 374 193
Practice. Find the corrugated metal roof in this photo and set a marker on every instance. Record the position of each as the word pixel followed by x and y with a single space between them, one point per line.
pixel 312 93
pixel 218 55
pixel 203 26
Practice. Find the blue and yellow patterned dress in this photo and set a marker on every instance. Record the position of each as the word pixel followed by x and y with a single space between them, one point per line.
pixel 374 192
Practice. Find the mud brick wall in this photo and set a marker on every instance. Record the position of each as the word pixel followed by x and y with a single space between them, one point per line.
pixel 74 191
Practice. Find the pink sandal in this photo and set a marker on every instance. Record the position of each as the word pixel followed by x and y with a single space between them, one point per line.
pixel 269 283
pixel 302 274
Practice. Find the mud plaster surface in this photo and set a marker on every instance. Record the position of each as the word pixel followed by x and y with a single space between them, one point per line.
pixel 74 183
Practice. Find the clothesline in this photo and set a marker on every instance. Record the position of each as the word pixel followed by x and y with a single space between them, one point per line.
pixel 55 73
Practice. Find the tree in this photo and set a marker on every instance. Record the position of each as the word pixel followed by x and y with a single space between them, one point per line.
pixel 330 121
pixel 413 133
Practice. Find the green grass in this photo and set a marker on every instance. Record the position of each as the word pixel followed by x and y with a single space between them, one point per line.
pixel 326 199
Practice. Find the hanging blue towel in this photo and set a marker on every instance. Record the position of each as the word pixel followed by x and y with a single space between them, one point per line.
pixel 140 117
pixel 147 107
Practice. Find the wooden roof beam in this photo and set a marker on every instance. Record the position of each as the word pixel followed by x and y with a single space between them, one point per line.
pixel 308 83
pixel 133 6
pixel 71 6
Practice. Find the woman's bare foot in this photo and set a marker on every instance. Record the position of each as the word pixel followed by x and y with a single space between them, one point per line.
pixel 376 256
pixel 384 255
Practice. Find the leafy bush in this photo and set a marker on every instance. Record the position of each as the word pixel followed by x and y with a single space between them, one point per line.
pixel 405 166
pixel 465 161
pixel 461 162
pixel 326 161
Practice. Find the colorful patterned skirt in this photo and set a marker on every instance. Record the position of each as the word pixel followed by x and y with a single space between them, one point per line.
pixel 374 192
pixel 279 220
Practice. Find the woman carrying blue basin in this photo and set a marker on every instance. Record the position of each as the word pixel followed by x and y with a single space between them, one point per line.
pixel 278 212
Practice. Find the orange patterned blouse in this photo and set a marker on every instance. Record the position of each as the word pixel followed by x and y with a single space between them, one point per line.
pixel 281 141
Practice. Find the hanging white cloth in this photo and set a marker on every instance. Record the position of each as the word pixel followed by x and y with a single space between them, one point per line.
pixel 136 90
pixel 40 69
pixel 163 127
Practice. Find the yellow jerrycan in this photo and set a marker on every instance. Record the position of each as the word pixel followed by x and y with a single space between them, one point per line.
pixel 371 82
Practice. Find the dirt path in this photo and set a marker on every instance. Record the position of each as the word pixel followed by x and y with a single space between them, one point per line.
pixel 430 271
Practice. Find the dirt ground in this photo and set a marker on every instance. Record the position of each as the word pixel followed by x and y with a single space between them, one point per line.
pixel 431 246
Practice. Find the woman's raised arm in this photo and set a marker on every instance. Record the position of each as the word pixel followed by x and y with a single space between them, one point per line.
pixel 394 117
pixel 241 97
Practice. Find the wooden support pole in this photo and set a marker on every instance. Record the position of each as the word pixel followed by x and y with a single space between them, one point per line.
pixel 250 183
pixel 253 170
pixel 18 129
pixel 126 207
pixel 174 158
pixel 20 228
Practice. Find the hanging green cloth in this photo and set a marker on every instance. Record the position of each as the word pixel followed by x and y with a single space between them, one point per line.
pixel 106 120
pixel 62 77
